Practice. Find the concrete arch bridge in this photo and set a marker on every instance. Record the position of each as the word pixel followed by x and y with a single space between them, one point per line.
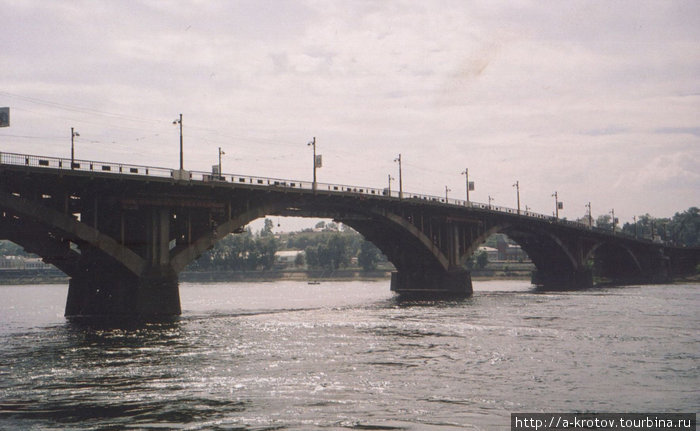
pixel 122 233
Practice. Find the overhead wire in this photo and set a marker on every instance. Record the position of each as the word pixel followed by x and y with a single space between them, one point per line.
pixel 75 108
pixel 159 122
pixel 193 131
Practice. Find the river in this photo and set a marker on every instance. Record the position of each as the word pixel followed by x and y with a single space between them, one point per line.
pixel 346 355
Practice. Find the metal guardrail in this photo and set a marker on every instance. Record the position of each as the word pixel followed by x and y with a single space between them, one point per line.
pixel 153 171
pixel 81 165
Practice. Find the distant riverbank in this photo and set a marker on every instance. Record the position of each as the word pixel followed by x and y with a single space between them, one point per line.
pixel 53 276
pixel 32 276
pixel 340 274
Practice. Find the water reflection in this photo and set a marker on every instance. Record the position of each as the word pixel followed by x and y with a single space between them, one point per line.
pixel 349 356
pixel 87 371
pixel 125 322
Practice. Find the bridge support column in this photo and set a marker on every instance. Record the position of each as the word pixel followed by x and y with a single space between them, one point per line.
pixel 101 286
pixel 456 282
pixel 562 279
pixel 109 292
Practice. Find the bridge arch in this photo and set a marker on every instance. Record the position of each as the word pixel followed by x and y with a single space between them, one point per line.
pixel 544 248
pixel 615 261
pixel 403 243
pixel 406 247
pixel 48 220
pixel 44 243
pixel 181 258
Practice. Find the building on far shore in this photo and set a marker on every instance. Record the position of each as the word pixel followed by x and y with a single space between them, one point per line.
pixel 505 252
pixel 20 262
pixel 511 252
pixel 491 253
pixel 287 258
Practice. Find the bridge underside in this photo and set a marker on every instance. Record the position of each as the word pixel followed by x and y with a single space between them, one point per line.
pixel 422 248
pixel 559 261
pixel 423 269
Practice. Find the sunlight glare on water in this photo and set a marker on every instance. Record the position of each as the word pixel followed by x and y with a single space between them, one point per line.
pixel 348 355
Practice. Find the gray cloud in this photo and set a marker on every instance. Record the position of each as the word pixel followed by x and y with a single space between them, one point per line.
pixel 584 97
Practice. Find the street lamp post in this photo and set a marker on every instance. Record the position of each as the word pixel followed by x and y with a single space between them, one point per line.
pixel 221 153
pixel 634 218
pixel 398 159
pixel 556 205
pixel 447 190
pixel 313 144
pixel 490 200
pixel 390 180
pixel 179 121
pixel 73 134
pixel 590 216
pixel 517 188
pixel 614 221
pixel 466 173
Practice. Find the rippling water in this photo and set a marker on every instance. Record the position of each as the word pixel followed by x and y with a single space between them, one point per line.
pixel 347 355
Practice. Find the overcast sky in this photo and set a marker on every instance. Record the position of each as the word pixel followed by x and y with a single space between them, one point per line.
pixel 597 100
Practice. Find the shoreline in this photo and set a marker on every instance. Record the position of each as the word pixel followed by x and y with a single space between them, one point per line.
pixel 25 277
pixel 20 277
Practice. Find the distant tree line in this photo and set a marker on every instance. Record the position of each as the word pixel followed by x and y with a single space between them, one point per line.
pixel 245 251
pixel 326 247
pixel 332 247
pixel 329 247
pixel 683 229
pixel 478 260
pixel 8 248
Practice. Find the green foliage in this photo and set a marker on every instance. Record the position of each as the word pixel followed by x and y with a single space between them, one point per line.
pixel 478 260
pixel 332 252
pixel 482 259
pixel 9 248
pixel 237 252
pixel 493 240
pixel 331 249
pixel 267 228
pixel 604 222
pixel 683 229
pixel 299 260
pixel 266 247
pixel 369 256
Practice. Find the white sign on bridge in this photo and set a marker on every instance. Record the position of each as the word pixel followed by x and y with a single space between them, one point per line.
pixel 4 117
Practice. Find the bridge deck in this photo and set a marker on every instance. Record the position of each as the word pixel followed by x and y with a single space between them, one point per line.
pixel 154 173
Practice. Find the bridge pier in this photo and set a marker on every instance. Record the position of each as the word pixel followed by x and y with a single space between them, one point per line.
pixel 110 292
pixel 123 296
pixel 433 284
pixel 563 279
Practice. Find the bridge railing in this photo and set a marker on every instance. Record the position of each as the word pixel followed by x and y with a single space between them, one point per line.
pixel 82 165
pixel 255 181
